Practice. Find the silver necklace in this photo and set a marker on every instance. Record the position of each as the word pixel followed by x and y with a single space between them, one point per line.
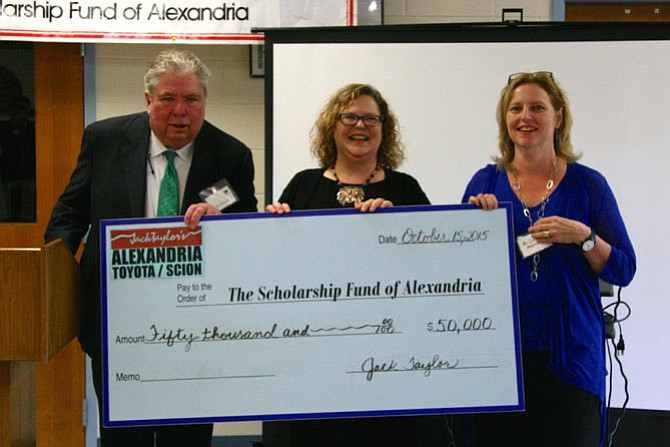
pixel 540 213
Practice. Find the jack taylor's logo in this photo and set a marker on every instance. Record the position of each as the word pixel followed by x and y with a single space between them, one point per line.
pixel 156 253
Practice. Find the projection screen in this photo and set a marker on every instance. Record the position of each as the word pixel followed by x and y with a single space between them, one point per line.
pixel 444 81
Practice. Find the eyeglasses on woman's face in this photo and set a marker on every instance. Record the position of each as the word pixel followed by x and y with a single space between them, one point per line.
pixel 350 119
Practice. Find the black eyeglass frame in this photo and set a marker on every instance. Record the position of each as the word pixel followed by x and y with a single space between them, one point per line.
pixel 377 120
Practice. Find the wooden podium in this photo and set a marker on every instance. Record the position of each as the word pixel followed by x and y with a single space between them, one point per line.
pixel 39 290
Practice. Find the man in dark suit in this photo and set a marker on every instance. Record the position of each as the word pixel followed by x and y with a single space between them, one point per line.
pixel 118 175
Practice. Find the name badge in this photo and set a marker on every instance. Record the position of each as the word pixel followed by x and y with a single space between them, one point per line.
pixel 528 245
pixel 220 195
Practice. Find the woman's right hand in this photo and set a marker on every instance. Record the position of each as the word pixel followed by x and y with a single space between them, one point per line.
pixel 372 205
pixel 278 208
pixel 485 201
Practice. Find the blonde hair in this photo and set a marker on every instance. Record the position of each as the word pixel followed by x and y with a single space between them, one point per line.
pixel 562 135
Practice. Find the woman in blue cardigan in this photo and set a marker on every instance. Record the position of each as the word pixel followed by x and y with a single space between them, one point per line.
pixel 569 233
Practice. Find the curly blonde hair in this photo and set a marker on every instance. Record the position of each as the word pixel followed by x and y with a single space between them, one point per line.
pixel 562 136
pixel 391 153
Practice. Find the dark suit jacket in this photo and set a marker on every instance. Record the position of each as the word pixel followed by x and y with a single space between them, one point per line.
pixel 109 182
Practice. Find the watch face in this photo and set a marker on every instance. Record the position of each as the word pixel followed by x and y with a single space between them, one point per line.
pixel 588 245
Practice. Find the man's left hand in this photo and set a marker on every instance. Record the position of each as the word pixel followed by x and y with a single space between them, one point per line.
pixel 195 212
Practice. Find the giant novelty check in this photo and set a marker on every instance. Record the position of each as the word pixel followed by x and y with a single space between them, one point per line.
pixel 310 315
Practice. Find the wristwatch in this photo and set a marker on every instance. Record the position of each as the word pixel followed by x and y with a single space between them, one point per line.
pixel 590 242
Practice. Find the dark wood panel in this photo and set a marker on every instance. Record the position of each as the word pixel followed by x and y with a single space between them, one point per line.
pixel 617 12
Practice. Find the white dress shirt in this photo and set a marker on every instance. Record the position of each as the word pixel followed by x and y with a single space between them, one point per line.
pixel 156 164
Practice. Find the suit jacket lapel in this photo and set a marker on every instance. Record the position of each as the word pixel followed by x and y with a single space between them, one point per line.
pixel 135 152
pixel 199 173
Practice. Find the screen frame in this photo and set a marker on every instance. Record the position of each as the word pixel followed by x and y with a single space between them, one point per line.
pixel 430 33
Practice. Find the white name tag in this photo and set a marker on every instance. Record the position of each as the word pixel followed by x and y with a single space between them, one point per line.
pixel 528 245
pixel 220 195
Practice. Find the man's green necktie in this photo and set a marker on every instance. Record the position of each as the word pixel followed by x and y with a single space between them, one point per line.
pixel 168 198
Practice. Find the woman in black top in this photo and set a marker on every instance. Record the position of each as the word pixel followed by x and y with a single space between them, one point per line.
pixel 358 146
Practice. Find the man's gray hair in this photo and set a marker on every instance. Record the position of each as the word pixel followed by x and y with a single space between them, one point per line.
pixel 175 62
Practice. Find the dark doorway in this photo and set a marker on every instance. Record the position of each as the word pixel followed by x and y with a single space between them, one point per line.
pixel 17 132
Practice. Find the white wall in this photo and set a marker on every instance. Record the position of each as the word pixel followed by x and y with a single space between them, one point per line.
pixel 448 11
pixel 236 101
